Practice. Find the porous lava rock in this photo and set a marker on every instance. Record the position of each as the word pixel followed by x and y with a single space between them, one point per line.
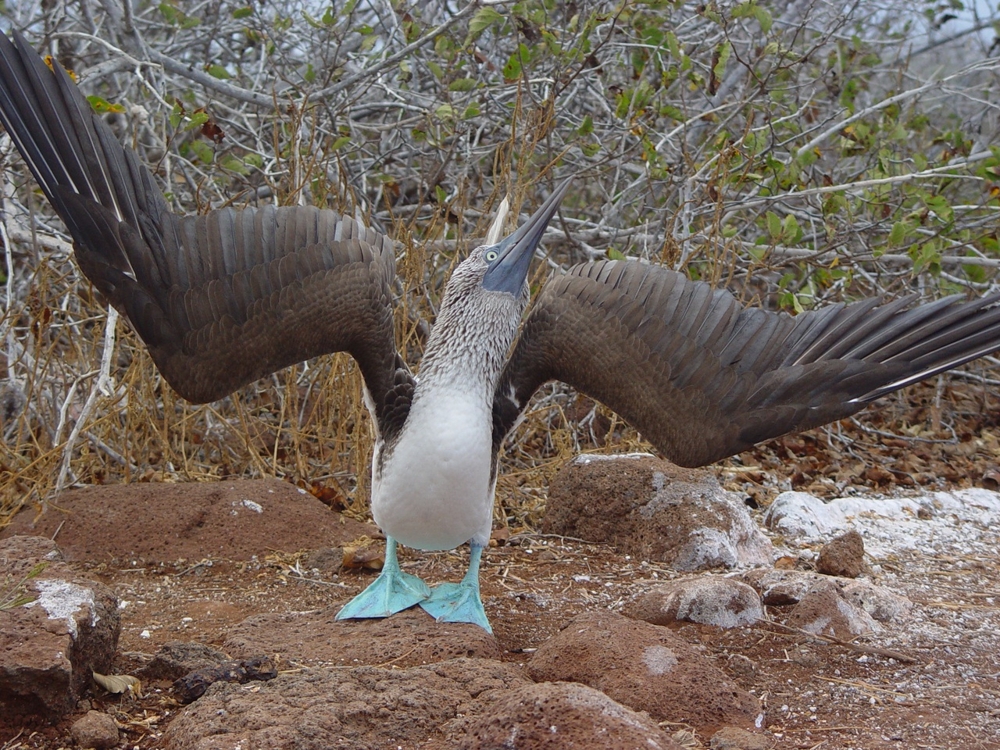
pixel 785 588
pixel 645 667
pixel 563 716
pixel 881 603
pixel 824 611
pixel 154 523
pixel 654 510
pixel 175 659
pixel 95 730
pixel 58 627
pixel 364 708
pixel 843 556
pixel 706 600
pixel 734 738
pixel 408 638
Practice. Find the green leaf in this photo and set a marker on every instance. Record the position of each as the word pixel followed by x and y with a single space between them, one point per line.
pixel 254 160
pixel 340 142
pixel 203 151
pixel 440 194
pixel 196 120
pixel 763 18
pixel 790 228
pixel 242 13
pixel 445 112
pixel 773 225
pixel 615 254
pixel 590 149
pixel 586 127
pixel 217 71
pixel 512 70
pixel 310 74
pixel 743 10
pixel 462 84
pixel 233 164
pixel 940 206
pixel 926 256
pixel 471 111
pixel 898 233
pixel 723 52
pixel 175 115
pixel 673 46
pixel 101 105
pixel 484 18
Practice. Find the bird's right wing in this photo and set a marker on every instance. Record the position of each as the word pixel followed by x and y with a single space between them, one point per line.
pixel 704 378
pixel 220 299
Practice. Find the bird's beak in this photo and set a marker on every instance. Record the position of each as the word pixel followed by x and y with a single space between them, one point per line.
pixel 508 272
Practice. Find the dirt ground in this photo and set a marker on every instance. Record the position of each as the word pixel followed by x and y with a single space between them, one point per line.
pixel 816 694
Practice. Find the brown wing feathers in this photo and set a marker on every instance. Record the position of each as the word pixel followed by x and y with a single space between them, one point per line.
pixel 220 299
pixel 228 297
pixel 703 378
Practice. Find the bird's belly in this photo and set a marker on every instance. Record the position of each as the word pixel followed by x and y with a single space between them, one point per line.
pixel 434 491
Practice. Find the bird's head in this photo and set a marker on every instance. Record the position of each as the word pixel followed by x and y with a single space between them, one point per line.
pixel 500 266
pixel 488 291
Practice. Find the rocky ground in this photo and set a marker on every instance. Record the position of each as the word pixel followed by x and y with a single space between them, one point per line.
pixel 594 645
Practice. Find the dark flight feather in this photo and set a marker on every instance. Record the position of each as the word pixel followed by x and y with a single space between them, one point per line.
pixel 220 299
pixel 703 378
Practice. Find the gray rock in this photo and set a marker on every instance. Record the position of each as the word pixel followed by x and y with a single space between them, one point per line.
pixel 799 514
pixel 881 603
pixel 95 730
pixel 645 667
pixel 50 644
pixel 781 588
pixel 784 588
pixel 365 708
pixel 562 716
pixel 708 600
pixel 656 511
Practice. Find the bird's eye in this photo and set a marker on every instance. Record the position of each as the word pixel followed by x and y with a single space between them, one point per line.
pixel 491 255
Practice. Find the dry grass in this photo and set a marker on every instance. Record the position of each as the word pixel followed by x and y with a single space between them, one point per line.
pixel 307 425
pixel 665 172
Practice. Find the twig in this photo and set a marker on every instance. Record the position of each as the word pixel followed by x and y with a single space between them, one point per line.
pixel 873 650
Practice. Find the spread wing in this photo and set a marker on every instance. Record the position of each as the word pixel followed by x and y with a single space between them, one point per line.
pixel 704 378
pixel 220 299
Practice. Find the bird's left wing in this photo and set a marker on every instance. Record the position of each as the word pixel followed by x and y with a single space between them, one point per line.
pixel 704 378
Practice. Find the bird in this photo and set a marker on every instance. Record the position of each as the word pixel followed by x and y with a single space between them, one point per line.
pixel 224 298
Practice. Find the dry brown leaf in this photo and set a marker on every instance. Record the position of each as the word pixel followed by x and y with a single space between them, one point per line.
pixel 119 683
pixel 358 558
pixel 991 478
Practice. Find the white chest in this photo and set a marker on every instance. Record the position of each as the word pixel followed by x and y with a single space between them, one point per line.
pixel 434 491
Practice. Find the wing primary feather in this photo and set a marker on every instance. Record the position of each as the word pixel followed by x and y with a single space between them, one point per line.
pixel 220 299
pixel 707 379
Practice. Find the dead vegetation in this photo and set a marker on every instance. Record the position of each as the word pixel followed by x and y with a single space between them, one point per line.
pixel 795 156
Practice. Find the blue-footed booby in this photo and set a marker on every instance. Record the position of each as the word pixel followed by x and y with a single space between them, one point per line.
pixel 230 296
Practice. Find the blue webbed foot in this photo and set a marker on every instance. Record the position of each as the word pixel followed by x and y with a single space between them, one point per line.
pixel 460 602
pixel 393 591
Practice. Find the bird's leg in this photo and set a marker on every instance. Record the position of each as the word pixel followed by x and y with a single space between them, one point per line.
pixel 393 591
pixel 460 602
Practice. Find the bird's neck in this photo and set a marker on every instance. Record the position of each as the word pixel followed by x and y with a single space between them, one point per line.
pixel 455 363
pixel 468 357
